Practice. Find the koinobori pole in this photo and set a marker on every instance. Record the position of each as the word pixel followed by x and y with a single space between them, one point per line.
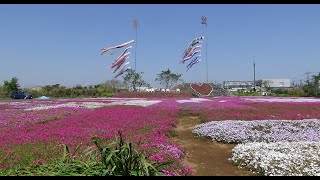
pixel 204 21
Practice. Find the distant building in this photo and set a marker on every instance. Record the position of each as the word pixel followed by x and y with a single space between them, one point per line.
pixel 234 86
pixel 274 83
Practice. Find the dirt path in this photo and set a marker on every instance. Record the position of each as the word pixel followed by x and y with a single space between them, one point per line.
pixel 205 157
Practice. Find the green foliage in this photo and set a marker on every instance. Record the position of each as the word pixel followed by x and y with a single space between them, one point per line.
pixel 297 92
pixel 107 94
pixel 280 91
pixel 2 93
pixel 312 88
pixel 9 86
pixel 67 165
pixel 114 85
pixel 17 156
pixel 266 85
pixel 168 79
pixel 57 91
pixel 117 158
pixel 134 79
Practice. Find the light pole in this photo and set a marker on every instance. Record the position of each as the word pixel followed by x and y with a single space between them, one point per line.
pixel 204 21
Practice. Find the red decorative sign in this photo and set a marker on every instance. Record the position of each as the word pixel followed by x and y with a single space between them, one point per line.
pixel 204 89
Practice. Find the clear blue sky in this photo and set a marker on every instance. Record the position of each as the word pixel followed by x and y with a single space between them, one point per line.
pixel 49 44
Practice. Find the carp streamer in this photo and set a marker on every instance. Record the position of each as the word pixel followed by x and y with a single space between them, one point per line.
pixel 119 63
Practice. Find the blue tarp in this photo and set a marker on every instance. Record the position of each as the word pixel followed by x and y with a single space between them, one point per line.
pixel 43 97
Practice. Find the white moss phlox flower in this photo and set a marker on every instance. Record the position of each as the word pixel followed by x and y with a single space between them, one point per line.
pixel 193 100
pixel 143 103
pixel 280 158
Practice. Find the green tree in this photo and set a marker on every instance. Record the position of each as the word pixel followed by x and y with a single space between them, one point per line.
pixel 114 85
pixel 266 85
pixel 297 91
pixel 134 80
pixel 168 79
pixel 10 86
pixel 312 88
pixel 2 91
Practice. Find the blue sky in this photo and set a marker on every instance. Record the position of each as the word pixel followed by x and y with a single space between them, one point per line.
pixel 49 44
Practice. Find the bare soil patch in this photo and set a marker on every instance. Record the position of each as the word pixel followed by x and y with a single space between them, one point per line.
pixel 204 156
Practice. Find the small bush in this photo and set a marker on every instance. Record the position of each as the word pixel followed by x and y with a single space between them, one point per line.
pixel 107 94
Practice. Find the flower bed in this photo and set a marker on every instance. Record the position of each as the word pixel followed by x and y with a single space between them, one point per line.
pixel 280 158
pixel 235 108
pixel 260 130
pixel 24 124
pixel 141 121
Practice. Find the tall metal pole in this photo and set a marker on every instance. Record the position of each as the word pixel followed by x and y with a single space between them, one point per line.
pixel 254 75
pixel 135 26
pixel 207 51
pixel 204 21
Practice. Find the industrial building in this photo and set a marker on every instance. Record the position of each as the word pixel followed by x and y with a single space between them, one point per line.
pixel 274 83
pixel 234 86
pixel 261 85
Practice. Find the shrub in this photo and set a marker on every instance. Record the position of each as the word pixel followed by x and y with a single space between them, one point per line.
pixel 107 94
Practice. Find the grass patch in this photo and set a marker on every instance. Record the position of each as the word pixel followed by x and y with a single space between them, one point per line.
pixel 114 159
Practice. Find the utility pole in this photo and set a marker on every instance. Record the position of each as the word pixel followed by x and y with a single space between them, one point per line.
pixel 308 75
pixel 254 75
pixel 204 21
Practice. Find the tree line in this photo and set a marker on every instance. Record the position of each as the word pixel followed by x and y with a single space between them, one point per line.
pixel 132 80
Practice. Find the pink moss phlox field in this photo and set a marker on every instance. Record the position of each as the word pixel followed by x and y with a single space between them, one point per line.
pixel 236 108
pixel 150 126
pixel 104 122
pixel 75 121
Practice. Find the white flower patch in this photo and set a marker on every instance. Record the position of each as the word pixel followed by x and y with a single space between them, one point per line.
pixel 280 158
pixel 283 100
pixel 110 99
pixel 192 100
pixel 19 105
pixel 91 105
pixel 70 104
pixel 143 103
pixel 236 131
pixel 42 107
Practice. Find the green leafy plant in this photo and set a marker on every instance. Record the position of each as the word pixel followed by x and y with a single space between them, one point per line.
pixel 119 158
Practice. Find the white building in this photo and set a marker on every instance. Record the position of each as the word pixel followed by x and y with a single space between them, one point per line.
pixel 234 86
pixel 275 83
